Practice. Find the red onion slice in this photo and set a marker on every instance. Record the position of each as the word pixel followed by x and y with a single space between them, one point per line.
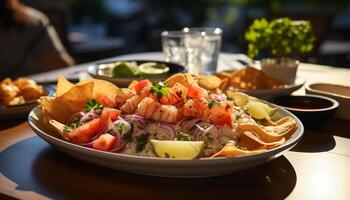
pixel 88 117
pixel 79 115
pixel 221 97
pixel 187 124
pixel 202 134
pixel 162 131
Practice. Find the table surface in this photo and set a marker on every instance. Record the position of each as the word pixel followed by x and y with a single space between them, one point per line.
pixel 316 168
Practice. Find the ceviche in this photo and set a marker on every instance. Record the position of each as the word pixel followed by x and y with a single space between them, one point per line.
pixel 171 119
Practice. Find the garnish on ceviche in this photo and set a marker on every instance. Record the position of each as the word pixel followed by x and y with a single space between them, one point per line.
pixel 171 119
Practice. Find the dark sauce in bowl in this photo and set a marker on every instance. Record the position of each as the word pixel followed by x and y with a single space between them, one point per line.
pixel 305 102
pixel 313 110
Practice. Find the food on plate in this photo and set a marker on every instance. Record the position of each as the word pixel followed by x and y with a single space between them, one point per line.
pixel 249 78
pixel 125 69
pixel 172 119
pixel 19 91
pixel 177 148
pixel 211 82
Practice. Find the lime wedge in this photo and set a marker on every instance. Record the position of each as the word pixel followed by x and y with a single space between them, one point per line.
pixel 177 149
pixel 150 69
pixel 240 98
pixel 125 69
pixel 257 110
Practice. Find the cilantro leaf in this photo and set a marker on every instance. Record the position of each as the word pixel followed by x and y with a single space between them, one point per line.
pixel 127 137
pixel 141 142
pixel 183 136
pixel 160 89
pixel 121 128
pixel 229 98
pixel 70 127
pixel 92 104
pixel 73 124
pixel 213 103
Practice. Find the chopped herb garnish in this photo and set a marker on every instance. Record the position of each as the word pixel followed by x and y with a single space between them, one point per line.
pixel 127 137
pixel 229 98
pixel 73 124
pixel 213 103
pixel 160 89
pixel 185 99
pixel 238 116
pixel 183 136
pixel 92 104
pixel 166 155
pixel 245 109
pixel 121 128
pixel 209 137
pixel 70 127
pixel 141 142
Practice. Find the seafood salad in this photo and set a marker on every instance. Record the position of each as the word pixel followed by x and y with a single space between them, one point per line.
pixel 171 119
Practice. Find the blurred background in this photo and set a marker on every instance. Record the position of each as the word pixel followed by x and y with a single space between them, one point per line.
pixel 97 29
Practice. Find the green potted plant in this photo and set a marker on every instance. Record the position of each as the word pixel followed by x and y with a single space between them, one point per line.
pixel 280 39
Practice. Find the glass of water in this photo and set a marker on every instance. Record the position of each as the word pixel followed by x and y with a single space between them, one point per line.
pixel 210 49
pixel 183 48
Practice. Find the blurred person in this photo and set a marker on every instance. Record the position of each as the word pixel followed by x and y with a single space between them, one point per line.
pixel 28 42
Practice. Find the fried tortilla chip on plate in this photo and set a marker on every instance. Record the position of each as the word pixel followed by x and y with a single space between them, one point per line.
pixel 230 150
pixel 184 78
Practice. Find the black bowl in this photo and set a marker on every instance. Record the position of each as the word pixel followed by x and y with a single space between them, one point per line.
pixel 313 110
pixel 95 71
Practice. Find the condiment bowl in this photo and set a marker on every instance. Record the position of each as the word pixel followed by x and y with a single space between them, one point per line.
pixel 313 110
pixel 340 93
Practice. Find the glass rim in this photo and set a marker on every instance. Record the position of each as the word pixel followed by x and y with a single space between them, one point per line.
pixel 204 30
pixel 178 34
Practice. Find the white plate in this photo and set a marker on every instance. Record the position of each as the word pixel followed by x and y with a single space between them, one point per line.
pixel 17 111
pixel 164 167
pixel 271 93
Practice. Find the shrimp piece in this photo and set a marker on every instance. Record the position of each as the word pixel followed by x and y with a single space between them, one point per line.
pixel 122 95
pixel 131 104
pixel 145 92
pixel 195 108
pixel 150 109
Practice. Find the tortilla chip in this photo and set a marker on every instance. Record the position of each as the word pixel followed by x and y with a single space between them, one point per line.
pixel 101 88
pixel 230 150
pixel 250 141
pixel 209 82
pixel 63 85
pixel 185 79
pixel 62 107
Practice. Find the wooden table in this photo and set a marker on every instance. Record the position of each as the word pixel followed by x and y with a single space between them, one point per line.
pixel 316 168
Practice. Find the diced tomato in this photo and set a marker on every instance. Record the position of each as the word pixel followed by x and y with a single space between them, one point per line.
pixel 105 142
pixel 195 92
pixel 194 108
pixel 177 93
pixel 224 119
pixel 172 99
pixel 85 132
pixel 141 84
pixel 107 101
pixel 110 113
pixel 163 100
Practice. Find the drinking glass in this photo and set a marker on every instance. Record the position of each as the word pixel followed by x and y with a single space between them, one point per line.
pixel 183 48
pixel 210 49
